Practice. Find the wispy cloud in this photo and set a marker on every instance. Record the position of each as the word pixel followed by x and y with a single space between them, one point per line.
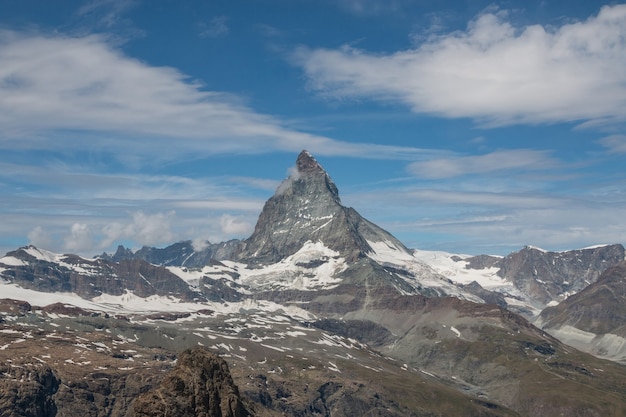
pixel 494 222
pixel 214 28
pixel 371 7
pixel 615 143
pixel 67 209
pixel 493 72
pixel 82 93
pixel 111 16
pixel 498 161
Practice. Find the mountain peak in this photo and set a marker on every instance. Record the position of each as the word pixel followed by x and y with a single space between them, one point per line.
pixel 306 208
pixel 306 163
pixel 309 179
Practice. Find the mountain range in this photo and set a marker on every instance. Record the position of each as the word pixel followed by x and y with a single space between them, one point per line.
pixel 319 312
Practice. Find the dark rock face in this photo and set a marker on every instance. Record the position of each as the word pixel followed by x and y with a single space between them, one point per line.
pixel 546 276
pixel 32 396
pixel 200 385
pixel 91 278
pixel 307 207
pixel 178 254
pixel 600 308
pixel 481 261
pixel 489 297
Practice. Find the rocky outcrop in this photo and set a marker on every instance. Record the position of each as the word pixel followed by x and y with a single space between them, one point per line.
pixel 199 386
pixel 28 392
pixel 593 320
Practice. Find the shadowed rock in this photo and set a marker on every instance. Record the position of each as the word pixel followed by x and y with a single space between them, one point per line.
pixel 199 386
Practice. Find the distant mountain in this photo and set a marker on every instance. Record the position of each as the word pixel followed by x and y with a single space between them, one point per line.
pixel 179 254
pixel 594 319
pixel 45 271
pixel 552 276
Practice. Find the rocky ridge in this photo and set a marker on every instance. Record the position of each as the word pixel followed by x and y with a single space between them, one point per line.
pixel 553 276
pixel 594 319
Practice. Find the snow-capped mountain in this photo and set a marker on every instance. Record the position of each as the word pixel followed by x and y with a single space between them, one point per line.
pixel 320 312
pixel 306 208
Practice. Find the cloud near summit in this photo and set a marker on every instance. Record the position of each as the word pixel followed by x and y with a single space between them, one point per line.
pixel 492 72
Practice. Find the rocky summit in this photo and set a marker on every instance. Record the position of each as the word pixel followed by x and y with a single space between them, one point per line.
pixel 306 207
pixel 320 312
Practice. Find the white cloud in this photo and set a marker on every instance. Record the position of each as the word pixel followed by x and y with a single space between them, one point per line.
pixel 200 244
pixel 370 7
pixel 615 143
pixel 80 238
pixel 143 229
pixel 40 238
pixel 493 72
pixel 52 86
pixel 504 160
pixel 214 28
pixel 494 222
pixel 234 225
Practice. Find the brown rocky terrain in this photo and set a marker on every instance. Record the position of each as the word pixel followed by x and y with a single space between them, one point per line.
pixel 52 369
pixel 199 385
pixel 600 308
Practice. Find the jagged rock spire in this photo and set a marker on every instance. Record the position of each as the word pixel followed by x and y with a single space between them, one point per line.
pixel 306 163
pixel 307 207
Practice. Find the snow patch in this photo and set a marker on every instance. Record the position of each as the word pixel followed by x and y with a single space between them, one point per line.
pixel 313 267
pixel 455 330
pixel 388 251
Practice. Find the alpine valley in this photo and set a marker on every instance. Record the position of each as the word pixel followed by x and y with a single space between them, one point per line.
pixel 319 312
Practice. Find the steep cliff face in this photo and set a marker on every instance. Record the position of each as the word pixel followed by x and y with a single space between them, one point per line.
pixel 593 320
pixel 307 207
pixel 199 386
pixel 548 276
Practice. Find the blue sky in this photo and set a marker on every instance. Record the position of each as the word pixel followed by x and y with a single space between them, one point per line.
pixel 465 126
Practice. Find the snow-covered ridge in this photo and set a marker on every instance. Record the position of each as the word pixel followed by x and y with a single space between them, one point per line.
pixel 313 267
pixel 130 303
pixel 454 267
pixel 43 255
pixel 603 245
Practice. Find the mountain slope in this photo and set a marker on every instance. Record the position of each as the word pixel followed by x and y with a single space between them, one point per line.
pixel 594 319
